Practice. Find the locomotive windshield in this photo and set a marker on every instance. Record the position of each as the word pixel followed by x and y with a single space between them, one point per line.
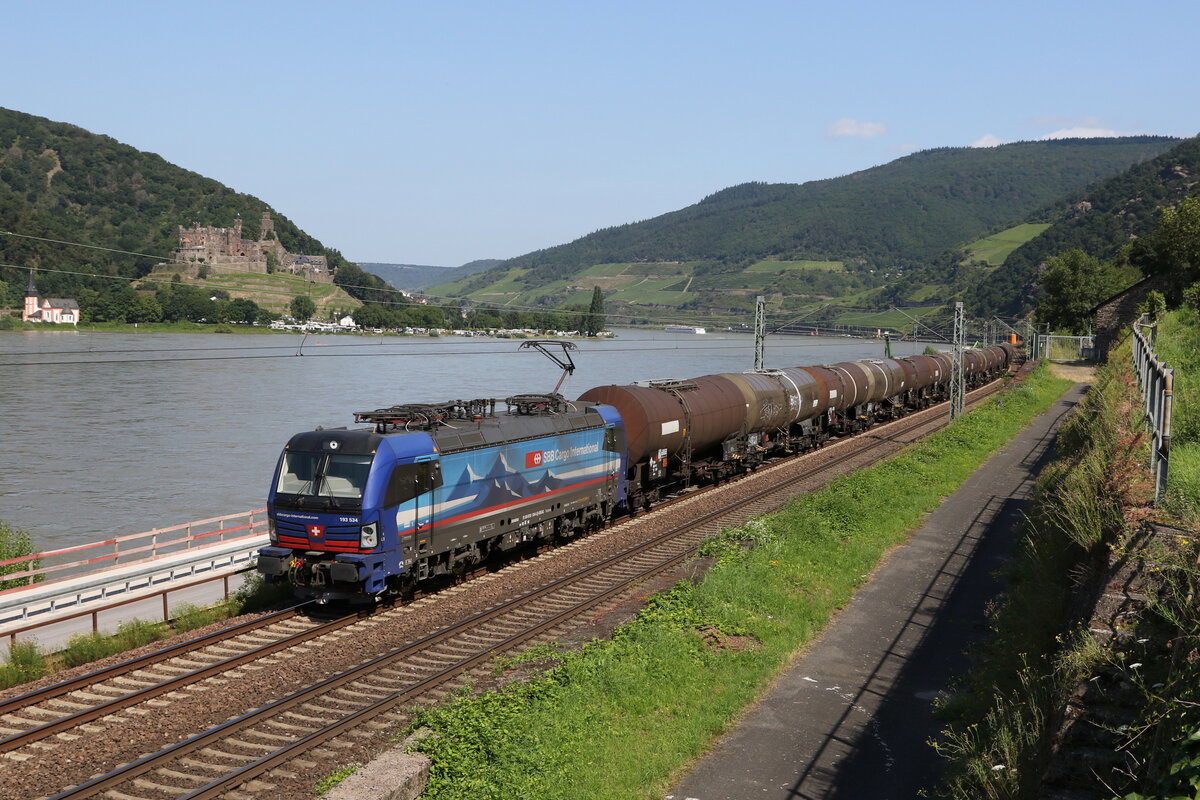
pixel 323 477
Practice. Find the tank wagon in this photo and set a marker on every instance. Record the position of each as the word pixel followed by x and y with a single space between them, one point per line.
pixel 427 490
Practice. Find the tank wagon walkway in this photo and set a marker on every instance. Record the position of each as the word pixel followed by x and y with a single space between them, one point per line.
pixel 850 718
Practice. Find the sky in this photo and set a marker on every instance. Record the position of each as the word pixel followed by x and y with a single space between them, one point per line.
pixel 440 133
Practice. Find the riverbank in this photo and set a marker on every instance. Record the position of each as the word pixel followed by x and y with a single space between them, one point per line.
pixel 620 717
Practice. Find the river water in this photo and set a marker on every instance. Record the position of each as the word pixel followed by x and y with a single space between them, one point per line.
pixel 105 434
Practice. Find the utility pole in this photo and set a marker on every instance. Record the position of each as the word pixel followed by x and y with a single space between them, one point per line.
pixel 760 330
pixel 957 384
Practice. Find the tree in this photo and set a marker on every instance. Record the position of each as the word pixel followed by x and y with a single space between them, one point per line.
pixel 594 321
pixel 15 543
pixel 243 310
pixel 143 308
pixel 1173 247
pixel 371 316
pixel 302 307
pixel 1075 282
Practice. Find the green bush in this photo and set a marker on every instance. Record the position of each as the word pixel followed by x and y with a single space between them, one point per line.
pixel 84 648
pixel 25 663
pixel 189 617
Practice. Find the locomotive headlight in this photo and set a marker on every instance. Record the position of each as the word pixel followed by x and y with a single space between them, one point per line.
pixel 272 533
pixel 369 536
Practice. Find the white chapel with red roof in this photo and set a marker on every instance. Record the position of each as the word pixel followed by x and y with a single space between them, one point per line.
pixel 48 309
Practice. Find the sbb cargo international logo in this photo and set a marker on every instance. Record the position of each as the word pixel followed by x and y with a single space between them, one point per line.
pixel 539 458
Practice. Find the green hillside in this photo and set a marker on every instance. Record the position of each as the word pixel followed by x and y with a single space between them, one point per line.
pixel 833 240
pixel 1099 220
pixel 58 181
pixel 993 250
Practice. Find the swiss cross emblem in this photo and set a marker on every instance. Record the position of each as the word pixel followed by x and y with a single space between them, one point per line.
pixel 316 531
pixel 533 459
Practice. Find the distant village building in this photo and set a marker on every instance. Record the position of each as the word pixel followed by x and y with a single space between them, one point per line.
pixel 224 250
pixel 48 309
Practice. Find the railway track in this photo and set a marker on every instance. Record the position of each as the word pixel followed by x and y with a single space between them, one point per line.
pixel 310 730
pixel 44 712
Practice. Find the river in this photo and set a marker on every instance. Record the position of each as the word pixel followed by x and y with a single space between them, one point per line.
pixel 105 434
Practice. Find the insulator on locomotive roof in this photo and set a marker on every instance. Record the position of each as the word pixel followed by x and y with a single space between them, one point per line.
pixel 424 416
pixel 530 404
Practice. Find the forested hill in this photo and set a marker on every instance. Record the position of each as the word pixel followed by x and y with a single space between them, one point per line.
pixel 59 181
pixel 1098 220
pixel 898 214
pixel 417 276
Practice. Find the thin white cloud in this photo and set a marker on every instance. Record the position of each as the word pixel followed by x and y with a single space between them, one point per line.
pixel 988 140
pixel 852 127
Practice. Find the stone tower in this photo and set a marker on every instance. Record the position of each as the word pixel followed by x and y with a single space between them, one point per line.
pixel 31 298
pixel 266 229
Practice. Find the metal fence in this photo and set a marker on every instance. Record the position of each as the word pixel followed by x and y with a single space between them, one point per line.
pixel 1157 382
pixel 70 562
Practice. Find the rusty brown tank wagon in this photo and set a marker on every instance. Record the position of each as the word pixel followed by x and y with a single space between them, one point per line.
pixel 678 432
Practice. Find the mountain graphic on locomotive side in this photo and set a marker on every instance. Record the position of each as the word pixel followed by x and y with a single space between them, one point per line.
pixel 434 489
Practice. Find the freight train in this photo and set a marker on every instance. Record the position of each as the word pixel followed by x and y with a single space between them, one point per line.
pixel 433 489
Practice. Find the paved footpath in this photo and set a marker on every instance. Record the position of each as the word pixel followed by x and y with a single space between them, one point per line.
pixel 850 718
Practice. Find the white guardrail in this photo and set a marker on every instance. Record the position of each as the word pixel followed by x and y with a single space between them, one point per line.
pixel 1157 382
pixel 89 578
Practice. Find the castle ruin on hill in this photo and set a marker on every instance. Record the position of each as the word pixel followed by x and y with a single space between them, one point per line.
pixel 224 250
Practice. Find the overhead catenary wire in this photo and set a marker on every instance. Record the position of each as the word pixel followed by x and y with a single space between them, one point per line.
pixel 706 347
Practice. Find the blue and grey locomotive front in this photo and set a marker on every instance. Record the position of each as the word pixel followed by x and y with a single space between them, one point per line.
pixel 434 489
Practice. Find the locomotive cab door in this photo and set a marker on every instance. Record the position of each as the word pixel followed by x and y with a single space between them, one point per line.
pixel 415 482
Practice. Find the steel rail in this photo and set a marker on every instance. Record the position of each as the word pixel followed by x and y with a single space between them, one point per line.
pixel 120 702
pixel 34 696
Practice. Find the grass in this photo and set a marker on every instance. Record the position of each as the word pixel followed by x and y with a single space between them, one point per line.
pixel 604 270
pixel 933 291
pixel 785 266
pixel 619 718
pixel 993 249
pixel 1178 344
pixel 882 319
pixel 273 292
pixel 334 778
